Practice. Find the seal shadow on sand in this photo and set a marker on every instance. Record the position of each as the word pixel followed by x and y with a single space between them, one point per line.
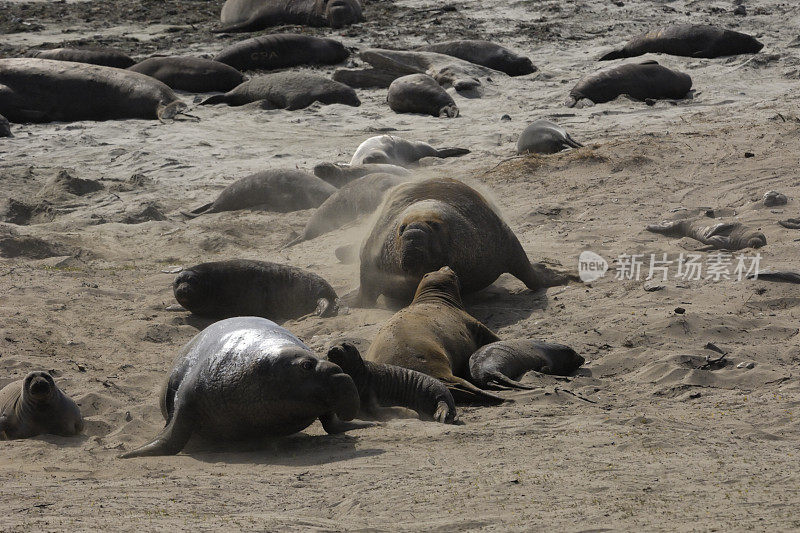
pixel 499 306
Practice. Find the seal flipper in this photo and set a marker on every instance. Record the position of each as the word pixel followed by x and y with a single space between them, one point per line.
pixel 614 54
pixel 451 152
pixel 332 425
pixel 205 208
pixel 540 276
pixel 216 99
pixel 172 438
pixel 465 392
pixel 501 379
pixel 572 143
pixel 4 422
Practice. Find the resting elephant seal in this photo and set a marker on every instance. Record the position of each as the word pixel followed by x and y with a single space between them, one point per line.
pixel 43 90
pixel 423 226
pixel 419 93
pixel 282 50
pixel 253 288
pixel 192 74
pixel 254 15
pixel 545 137
pixel 638 80
pixel 382 386
pixel 107 57
pixel 35 405
pixel 392 150
pixel 340 174
pixel 288 90
pixel 689 40
pixel 281 190
pixel 247 377
pixel 503 363
pixel 722 235
pixel 5 127
pixel 484 53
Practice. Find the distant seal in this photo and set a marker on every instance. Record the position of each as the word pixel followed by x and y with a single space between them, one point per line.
pixel 253 15
pixel 43 90
pixel 340 174
pixel 282 50
pixel 423 226
pixel 484 53
pixel 281 190
pixel 192 74
pixel 393 150
pixel 502 363
pixel 722 235
pixel 781 276
pixel 247 377
pixel 419 93
pixel 107 57
pixel 381 386
pixel 638 80
pixel 242 287
pixel 288 90
pixel 689 40
pixel 545 137
pixel 35 405
pixel 5 127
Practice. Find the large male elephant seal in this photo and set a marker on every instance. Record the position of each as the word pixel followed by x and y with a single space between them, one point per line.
pixel 638 80
pixel 43 90
pixel 545 137
pixel 690 40
pixel 35 405
pixel 282 50
pixel 419 93
pixel 423 226
pixel 484 53
pixel 288 90
pixel 254 15
pixel 281 190
pixel 192 74
pixel 340 174
pixel 244 287
pixel 722 235
pixel 107 57
pixel 247 377
pixel 389 149
pixel 503 363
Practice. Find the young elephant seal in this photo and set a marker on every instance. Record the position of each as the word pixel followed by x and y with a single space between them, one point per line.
pixel 253 15
pixel 723 235
pixel 247 377
pixel 545 137
pixel 382 386
pixel 484 53
pixel 106 57
pixel 398 151
pixel 192 74
pixel 35 405
pixel 503 363
pixel 282 50
pixel 340 174
pixel 253 288
pixel 419 93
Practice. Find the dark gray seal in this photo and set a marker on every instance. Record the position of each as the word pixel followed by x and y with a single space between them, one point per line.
pixel 192 74
pixel 340 174
pixel 545 137
pixel 253 15
pixel 484 53
pixel 689 40
pixel 247 377
pixel 35 405
pixel 722 235
pixel 282 50
pixel 419 93
pixel 243 287
pixel 389 149
pixel 641 81
pixel 5 127
pixel 107 57
pixel 503 363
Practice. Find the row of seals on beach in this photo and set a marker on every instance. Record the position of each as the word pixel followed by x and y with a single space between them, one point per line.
pixel 35 405
pixel 253 15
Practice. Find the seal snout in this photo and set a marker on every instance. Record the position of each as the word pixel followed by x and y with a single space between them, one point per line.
pixel 38 385
pixel 186 288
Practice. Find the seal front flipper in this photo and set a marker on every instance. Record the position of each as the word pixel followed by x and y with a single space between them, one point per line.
pixel 172 438
pixel 332 425
pixel 614 54
pixel 451 152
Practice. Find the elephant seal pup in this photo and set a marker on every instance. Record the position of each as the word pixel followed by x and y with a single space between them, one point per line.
pixel 503 363
pixel 545 137
pixel 392 150
pixel 35 405
pixel 106 57
pixel 340 174
pixel 282 50
pixel 419 93
pixel 381 386
pixel 254 15
pixel 435 336
pixel 281 190
pixel 247 377
pixel 638 80
pixel 484 53
pixel 689 40
pixel 722 235
pixel 253 288
pixel 288 90
pixel 43 90
pixel 192 74
pixel 422 226
pixel 5 127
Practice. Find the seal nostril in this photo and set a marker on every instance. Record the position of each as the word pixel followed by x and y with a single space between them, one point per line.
pixel 39 387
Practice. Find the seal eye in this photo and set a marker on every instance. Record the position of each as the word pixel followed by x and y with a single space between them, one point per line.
pixel 434 225
pixel 308 365
pixel 402 229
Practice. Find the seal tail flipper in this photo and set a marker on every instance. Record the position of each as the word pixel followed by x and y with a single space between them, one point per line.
pixel 171 110
pixel 506 381
pixel 614 54
pixel 572 143
pixel 333 425
pixel 170 441
pixel 571 101
pixel 448 111
pixel 293 242
pixel 213 100
pixel 326 308
pixel 465 392
pixel 199 211
pixel 540 276
pixel 451 152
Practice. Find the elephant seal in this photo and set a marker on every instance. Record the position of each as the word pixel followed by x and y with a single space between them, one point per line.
pixel 340 174
pixel 790 223
pixel 422 226
pixel 689 40
pixel 722 235
pixel 381 386
pixel 43 90
pixel 545 137
pixel 781 276
pixel 35 405
pixel 484 53
pixel 106 57
pixel 5 127
pixel 282 50
pixel 392 150
pixel 503 363
pixel 247 377
pixel 288 90
pixel 192 74
pixel 282 190
pixel 435 336
pixel 254 15
pixel 638 80
pixel 419 93
pixel 244 287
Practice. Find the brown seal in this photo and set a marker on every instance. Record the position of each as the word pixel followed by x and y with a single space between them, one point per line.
pixel 502 363
pixel 36 405
pixel 722 235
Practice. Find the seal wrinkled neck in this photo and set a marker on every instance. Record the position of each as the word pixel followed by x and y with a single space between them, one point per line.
pixel 442 286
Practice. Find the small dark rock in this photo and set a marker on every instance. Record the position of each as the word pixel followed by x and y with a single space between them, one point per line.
pixel 749 154
pixel 679 310
pixel 740 10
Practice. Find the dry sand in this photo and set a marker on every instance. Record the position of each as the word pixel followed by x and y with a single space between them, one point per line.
pixel 643 438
